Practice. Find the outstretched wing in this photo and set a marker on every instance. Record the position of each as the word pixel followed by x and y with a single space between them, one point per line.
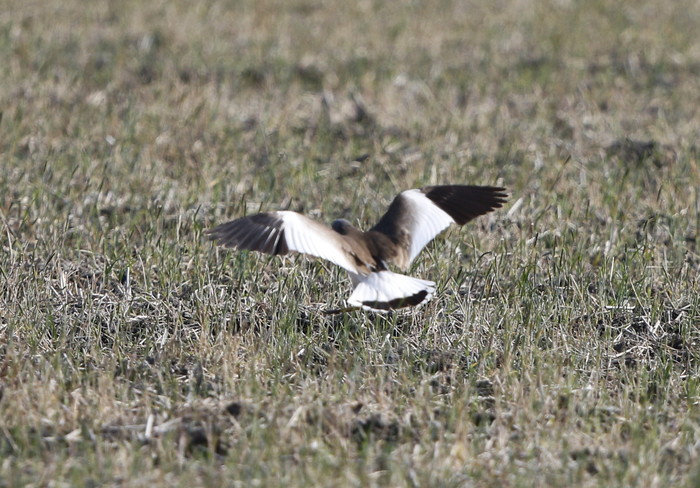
pixel 416 216
pixel 281 232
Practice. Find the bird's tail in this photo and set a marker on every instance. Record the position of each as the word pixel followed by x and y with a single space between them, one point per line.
pixel 384 290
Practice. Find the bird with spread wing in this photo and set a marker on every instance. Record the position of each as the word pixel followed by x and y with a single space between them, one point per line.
pixel 413 219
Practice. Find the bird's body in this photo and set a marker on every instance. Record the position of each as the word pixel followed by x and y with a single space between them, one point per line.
pixel 413 219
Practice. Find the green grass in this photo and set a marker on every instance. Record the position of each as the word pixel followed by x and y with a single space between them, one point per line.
pixel 562 347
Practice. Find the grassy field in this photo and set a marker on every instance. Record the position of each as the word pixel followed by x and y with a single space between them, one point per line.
pixel 562 347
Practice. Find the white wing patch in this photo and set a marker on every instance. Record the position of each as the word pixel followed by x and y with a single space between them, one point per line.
pixel 426 220
pixel 307 236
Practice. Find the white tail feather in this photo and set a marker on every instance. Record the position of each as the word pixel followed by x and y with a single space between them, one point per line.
pixel 384 290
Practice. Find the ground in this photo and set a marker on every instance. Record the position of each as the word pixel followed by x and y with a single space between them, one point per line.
pixel 562 346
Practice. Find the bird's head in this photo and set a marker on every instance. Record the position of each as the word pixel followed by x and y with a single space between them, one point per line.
pixel 341 226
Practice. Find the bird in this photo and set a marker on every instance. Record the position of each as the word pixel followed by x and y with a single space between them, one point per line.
pixel 412 220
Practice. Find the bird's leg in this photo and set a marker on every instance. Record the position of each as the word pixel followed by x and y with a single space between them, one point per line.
pixel 336 311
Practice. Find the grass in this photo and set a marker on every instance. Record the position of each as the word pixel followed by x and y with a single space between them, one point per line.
pixel 561 349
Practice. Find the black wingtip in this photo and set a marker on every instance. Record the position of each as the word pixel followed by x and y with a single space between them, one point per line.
pixel 466 202
pixel 262 232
